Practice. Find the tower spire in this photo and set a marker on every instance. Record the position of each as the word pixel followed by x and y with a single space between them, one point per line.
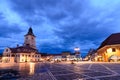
pixel 30 32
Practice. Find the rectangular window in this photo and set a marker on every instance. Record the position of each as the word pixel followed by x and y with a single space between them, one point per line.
pixel 113 50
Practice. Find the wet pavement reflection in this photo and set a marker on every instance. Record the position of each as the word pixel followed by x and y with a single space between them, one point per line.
pixel 25 69
pixel 61 71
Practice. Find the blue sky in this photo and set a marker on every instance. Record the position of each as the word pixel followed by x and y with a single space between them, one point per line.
pixel 60 25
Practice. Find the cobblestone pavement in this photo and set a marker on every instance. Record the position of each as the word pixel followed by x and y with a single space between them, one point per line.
pixel 67 71
pixel 90 71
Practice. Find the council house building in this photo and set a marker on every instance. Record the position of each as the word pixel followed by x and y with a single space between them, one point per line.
pixel 25 53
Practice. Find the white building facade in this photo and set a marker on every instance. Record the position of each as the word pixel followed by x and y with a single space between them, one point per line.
pixel 25 53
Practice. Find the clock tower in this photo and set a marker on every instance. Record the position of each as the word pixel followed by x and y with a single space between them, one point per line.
pixel 30 39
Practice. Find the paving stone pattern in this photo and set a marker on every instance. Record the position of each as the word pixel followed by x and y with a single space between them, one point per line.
pixel 65 71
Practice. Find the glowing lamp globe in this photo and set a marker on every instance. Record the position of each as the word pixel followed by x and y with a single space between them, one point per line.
pixel 77 49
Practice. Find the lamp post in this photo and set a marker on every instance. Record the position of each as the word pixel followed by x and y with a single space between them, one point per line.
pixel 77 53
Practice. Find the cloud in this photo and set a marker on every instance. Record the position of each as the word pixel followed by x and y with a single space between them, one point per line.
pixel 48 48
pixel 54 10
pixel 6 30
pixel 63 24
pixel 91 25
pixel 32 11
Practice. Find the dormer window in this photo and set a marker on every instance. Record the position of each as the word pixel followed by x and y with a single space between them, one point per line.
pixel 7 50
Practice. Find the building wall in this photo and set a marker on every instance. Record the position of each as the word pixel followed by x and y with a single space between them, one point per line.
pixel 30 40
pixel 19 57
pixel 22 57
pixel 29 57
pixel 7 59
pixel 105 53
pixel 7 56
pixel 57 57
pixel 62 57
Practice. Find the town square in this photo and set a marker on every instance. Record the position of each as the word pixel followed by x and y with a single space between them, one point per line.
pixel 65 71
pixel 59 39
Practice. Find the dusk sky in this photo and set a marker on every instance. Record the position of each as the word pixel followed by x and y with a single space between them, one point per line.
pixel 59 25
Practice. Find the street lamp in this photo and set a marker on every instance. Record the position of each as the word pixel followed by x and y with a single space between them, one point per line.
pixel 77 49
pixel 77 53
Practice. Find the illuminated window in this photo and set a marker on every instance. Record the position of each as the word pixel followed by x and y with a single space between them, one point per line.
pixel 113 50
pixel 109 50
